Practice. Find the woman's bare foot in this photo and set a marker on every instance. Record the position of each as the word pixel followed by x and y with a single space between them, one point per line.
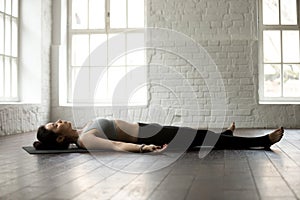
pixel 276 135
pixel 232 127
pixel 229 131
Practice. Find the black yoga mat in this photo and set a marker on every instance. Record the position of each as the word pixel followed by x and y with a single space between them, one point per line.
pixel 32 150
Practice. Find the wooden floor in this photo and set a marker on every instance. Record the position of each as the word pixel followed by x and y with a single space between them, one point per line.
pixel 222 174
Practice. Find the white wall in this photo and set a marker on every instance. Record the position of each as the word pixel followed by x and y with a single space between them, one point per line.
pixel 210 97
pixel 227 30
pixel 34 65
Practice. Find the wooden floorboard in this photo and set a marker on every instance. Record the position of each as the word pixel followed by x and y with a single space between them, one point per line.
pixel 221 174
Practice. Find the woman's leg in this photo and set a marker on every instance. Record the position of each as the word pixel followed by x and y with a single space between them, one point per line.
pixel 176 137
pixel 235 142
pixel 160 135
pixel 230 130
pixel 156 134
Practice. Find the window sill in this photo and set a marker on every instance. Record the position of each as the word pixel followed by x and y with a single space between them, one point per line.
pixel 101 105
pixel 279 102
pixel 18 103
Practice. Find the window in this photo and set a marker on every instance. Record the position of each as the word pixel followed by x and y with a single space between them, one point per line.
pixel 102 60
pixel 9 50
pixel 280 51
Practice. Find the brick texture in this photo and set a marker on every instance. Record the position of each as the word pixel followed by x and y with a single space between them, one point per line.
pixel 221 87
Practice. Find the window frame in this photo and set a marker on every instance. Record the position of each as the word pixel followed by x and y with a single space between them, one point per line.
pixel 280 27
pixel 10 56
pixel 107 30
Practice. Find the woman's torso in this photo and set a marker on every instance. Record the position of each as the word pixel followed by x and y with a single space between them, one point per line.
pixel 117 130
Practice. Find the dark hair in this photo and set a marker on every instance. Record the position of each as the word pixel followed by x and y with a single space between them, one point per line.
pixel 47 140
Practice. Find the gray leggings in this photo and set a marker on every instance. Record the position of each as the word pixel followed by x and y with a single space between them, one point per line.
pixel 180 137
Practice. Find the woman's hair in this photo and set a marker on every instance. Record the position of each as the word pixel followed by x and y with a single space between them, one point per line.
pixel 47 140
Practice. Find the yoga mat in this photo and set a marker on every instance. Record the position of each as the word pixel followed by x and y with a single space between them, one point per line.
pixel 32 150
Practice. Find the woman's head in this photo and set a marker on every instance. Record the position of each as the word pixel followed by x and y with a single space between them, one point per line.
pixel 57 135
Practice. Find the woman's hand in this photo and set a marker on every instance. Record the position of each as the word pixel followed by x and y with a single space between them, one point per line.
pixel 153 148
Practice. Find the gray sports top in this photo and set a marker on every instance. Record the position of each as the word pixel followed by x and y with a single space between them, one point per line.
pixel 106 126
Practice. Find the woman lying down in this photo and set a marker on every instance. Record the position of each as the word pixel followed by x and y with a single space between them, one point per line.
pixel 120 135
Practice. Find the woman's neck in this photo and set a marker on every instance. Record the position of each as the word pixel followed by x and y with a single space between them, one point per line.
pixel 74 136
pixel 78 141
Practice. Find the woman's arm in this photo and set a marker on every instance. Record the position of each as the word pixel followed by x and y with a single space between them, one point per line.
pixel 90 141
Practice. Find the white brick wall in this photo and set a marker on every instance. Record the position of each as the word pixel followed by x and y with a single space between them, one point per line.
pixel 227 31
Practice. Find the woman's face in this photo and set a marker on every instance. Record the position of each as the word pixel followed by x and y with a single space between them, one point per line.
pixel 60 127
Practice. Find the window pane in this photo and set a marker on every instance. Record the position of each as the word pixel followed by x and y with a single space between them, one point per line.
pixel 135 13
pixel 138 97
pixel 8 6
pixel 7 77
pixel 2 5
pixel 1 76
pixel 14 41
pixel 290 43
pixel 98 49
pixel 271 42
pixel 136 57
pixel 288 11
pixel 97 14
pixel 119 61
pixel 115 74
pixel 14 81
pixel 270 12
pixel 272 85
pixel 116 50
pixel 74 74
pixel 15 8
pixel 80 82
pixel 291 80
pixel 1 34
pixel 80 50
pixel 7 36
pixel 136 85
pixel 101 87
pixel 90 14
pixel 118 14
pixel 136 49
pixel 79 14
